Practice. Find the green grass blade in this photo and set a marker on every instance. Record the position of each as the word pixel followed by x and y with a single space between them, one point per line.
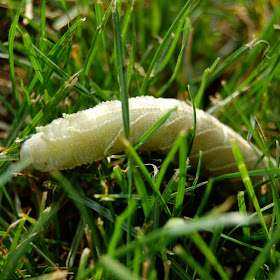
pixel 9 199
pixel 18 233
pixel 120 54
pixel 11 170
pixel 181 15
pixel 199 96
pixel 11 38
pixel 83 263
pixel 152 130
pixel 167 53
pixel 177 227
pixel 118 270
pixel 205 197
pixel 259 142
pixel 198 168
pixel 180 271
pixel 262 257
pixel 33 57
pixel 192 135
pixel 186 31
pixel 94 42
pixel 75 244
pixel 217 234
pixel 142 191
pixel 62 73
pixel 122 73
pixel 28 99
pixel 190 261
pixel 168 159
pixel 42 254
pixel 121 179
pixel 172 184
pixel 248 184
pixel 73 193
pixel 42 24
pixel 182 175
pixel 228 61
pixel 242 209
pixel 203 247
pixel 66 35
pixel 18 121
pixel 13 258
pixel 135 157
pixel 130 67
pixel 126 21
pixel 118 226
pixel 58 96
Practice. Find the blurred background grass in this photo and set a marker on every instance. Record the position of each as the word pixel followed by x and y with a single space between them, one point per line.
pixel 62 57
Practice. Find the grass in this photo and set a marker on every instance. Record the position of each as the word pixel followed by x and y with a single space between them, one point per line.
pixel 140 215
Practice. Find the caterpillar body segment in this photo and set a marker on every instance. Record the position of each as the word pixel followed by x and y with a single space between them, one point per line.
pixel 93 134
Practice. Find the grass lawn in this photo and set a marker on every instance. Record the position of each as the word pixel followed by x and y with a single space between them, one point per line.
pixel 139 215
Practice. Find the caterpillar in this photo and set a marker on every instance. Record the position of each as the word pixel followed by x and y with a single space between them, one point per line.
pixel 91 135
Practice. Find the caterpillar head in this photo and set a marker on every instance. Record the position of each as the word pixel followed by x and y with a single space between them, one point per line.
pixel 37 153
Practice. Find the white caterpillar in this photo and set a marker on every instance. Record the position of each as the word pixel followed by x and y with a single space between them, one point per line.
pixel 93 134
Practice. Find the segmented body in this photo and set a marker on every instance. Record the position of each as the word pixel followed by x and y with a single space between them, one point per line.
pixel 93 134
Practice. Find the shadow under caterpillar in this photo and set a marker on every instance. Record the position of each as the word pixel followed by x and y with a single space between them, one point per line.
pixel 93 134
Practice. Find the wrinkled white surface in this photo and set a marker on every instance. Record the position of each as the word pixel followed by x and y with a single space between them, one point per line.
pixel 93 134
